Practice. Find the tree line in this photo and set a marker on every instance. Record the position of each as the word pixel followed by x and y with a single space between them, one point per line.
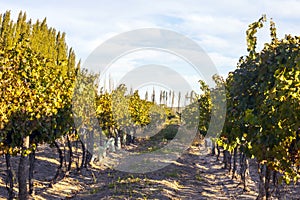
pixel 262 119
pixel 39 80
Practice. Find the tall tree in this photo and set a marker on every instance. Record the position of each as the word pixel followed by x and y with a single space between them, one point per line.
pixel 38 91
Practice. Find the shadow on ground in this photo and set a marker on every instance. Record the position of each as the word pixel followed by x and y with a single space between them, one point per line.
pixel 195 175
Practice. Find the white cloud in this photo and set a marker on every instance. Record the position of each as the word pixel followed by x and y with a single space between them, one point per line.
pixel 217 26
pixel 223 63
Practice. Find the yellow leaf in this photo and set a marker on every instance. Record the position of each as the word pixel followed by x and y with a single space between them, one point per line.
pixel 279 125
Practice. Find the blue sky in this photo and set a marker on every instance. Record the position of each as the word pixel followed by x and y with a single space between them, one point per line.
pixel 217 26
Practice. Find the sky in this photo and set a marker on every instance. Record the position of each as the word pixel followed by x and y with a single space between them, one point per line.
pixel 218 27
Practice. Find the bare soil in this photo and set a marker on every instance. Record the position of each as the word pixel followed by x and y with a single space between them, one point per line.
pixel 195 175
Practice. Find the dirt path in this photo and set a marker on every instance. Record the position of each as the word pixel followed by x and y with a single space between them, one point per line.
pixel 195 175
